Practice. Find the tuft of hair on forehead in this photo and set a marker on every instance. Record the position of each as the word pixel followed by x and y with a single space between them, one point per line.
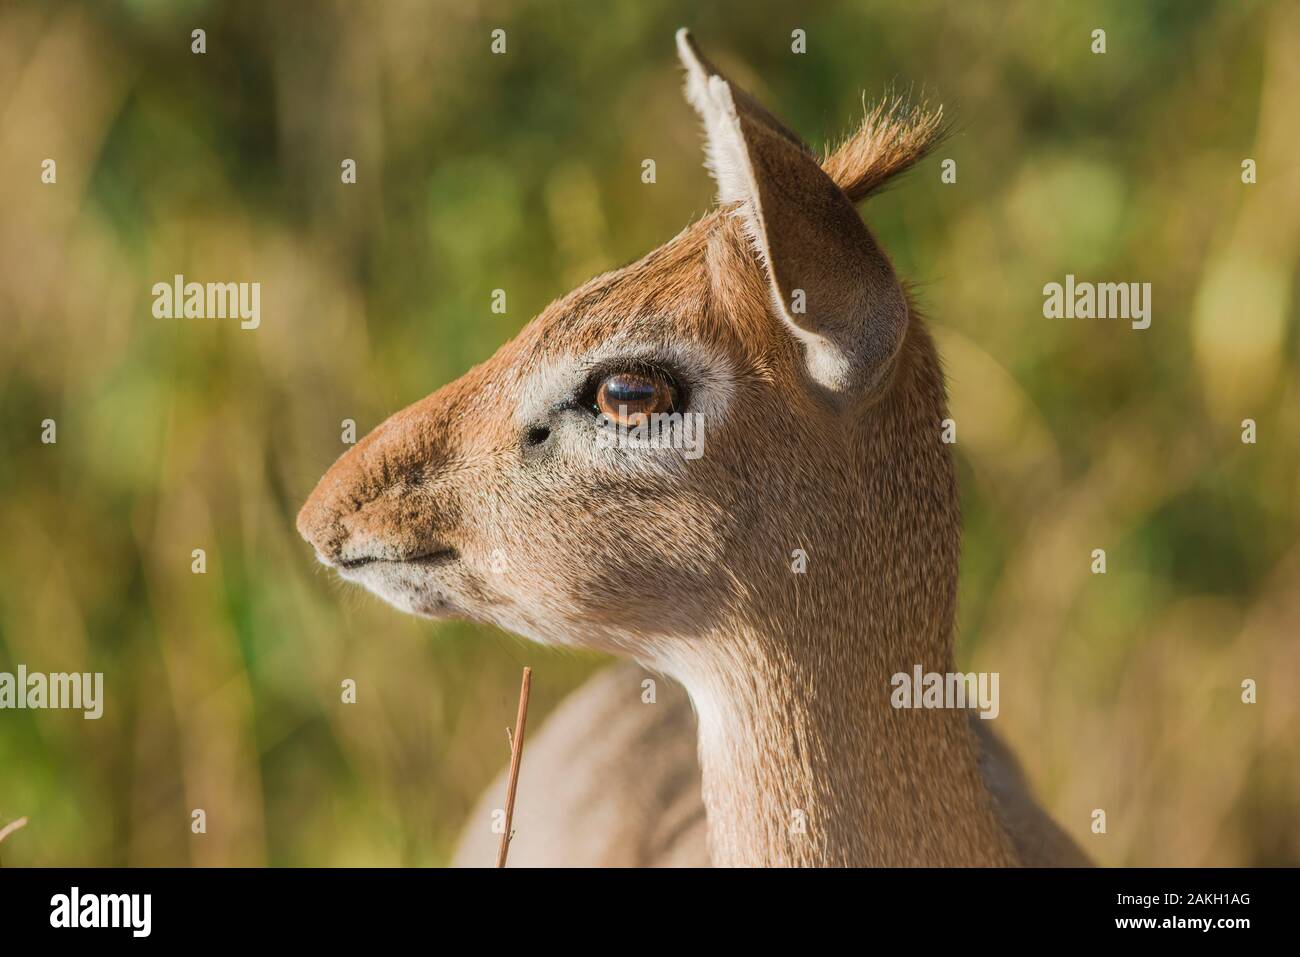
pixel 894 136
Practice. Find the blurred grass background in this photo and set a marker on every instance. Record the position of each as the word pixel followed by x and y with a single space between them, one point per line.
pixel 522 172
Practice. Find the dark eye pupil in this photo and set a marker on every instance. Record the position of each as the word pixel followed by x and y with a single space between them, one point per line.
pixel 629 389
pixel 630 396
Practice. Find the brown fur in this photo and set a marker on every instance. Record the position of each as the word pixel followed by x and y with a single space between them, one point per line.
pixel 684 565
pixel 894 137
pixel 630 796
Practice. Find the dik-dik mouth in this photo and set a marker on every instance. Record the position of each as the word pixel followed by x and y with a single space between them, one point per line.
pixel 439 556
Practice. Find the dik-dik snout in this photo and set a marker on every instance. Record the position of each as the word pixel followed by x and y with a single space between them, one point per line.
pixel 374 504
pixel 386 514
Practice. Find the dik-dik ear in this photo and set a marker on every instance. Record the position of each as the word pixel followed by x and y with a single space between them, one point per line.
pixel 829 280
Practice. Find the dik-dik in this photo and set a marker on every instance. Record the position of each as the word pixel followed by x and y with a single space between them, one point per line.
pixel 779 324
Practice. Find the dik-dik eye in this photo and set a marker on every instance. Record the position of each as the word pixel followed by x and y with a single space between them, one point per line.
pixel 628 397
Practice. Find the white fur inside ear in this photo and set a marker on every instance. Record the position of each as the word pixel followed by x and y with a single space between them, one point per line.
pixel 726 157
pixel 697 79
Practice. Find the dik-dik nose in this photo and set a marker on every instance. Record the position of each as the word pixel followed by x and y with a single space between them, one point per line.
pixel 328 519
pixel 320 518
pixel 372 503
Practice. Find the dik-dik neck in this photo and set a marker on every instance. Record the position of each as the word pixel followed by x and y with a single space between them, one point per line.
pixel 806 763
pixel 805 759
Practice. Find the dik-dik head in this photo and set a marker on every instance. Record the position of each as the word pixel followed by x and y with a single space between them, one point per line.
pixel 798 407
